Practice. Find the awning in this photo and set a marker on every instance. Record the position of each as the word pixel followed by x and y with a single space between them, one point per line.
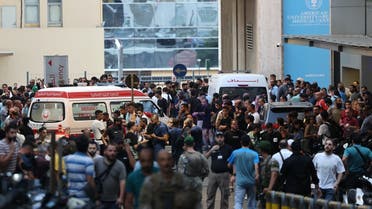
pixel 351 44
pixel 4 53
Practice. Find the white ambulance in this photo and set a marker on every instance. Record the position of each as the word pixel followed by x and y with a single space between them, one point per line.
pixel 238 84
pixel 73 108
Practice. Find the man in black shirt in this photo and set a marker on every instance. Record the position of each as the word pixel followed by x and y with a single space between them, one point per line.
pixel 298 171
pixel 220 173
pixel 116 132
pixel 273 137
pixel 232 136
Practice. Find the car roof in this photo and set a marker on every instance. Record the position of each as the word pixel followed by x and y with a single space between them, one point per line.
pixel 290 104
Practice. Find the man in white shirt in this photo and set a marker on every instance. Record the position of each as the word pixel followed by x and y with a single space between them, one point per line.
pixel 252 111
pixel 329 169
pixel 98 127
pixel 324 131
pixel 283 154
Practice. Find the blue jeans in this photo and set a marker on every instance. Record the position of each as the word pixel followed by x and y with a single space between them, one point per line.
pixel 240 192
pixel 328 194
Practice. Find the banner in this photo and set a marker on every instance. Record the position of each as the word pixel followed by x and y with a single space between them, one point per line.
pixel 56 70
pixel 307 17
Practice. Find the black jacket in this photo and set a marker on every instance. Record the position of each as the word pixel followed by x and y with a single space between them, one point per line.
pixel 298 171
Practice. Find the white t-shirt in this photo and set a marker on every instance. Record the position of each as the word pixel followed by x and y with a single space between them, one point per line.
pixel 324 131
pixel 97 127
pixel 286 154
pixel 256 117
pixel 327 168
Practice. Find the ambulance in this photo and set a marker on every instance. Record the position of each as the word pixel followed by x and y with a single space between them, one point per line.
pixel 72 109
pixel 238 84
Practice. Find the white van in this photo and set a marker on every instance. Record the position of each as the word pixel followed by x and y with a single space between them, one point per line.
pixel 74 108
pixel 235 84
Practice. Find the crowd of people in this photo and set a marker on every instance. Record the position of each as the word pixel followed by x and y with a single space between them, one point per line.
pixel 127 161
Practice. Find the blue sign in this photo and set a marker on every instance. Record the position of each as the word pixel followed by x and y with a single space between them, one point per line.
pixel 179 70
pixel 307 17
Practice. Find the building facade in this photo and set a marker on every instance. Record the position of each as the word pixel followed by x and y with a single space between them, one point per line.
pixel 251 36
pixel 38 35
pixel 157 34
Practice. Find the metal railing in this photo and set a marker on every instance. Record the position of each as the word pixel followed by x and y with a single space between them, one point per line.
pixel 281 200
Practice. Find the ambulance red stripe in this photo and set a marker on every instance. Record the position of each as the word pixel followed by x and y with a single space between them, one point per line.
pixel 91 94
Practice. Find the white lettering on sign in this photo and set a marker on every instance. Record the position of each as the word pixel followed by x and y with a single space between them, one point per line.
pixel 314 75
pixel 242 81
pixel 309 18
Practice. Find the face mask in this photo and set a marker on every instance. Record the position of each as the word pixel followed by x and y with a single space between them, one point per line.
pixel 92 153
pixel 338 105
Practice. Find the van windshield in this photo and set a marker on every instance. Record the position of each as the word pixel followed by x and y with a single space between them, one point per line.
pixel 252 92
pixel 47 112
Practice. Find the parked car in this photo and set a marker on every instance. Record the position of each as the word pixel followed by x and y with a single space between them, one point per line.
pixel 276 110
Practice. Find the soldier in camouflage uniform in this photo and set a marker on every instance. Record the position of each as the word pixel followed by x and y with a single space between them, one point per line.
pixel 167 189
pixel 269 170
pixel 194 166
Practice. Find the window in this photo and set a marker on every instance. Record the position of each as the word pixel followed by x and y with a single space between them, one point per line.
pixel 86 111
pixel 115 106
pixel 252 92
pixel 32 16
pixel 54 12
pixel 147 105
pixel 47 112
pixel 171 32
pixel 8 17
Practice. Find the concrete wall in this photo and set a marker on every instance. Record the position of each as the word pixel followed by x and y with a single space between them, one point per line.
pixel 269 29
pixel 82 13
pixel 266 18
pixel 348 17
pixel 351 61
pixel 369 17
pixel 251 18
pixel 80 38
pixel 365 77
pixel 84 48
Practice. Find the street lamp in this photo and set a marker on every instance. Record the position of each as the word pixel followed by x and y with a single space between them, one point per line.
pixel 199 60
pixel 120 54
pixel 207 66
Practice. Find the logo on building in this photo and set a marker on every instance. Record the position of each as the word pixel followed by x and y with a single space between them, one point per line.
pixel 313 4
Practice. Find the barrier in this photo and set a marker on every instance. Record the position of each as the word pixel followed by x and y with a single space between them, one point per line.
pixel 281 200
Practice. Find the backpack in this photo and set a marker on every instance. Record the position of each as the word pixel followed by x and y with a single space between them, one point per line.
pixel 335 130
pixel 194 165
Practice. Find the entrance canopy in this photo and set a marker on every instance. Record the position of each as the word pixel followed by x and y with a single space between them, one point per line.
pixel 4 53
pixel 351 44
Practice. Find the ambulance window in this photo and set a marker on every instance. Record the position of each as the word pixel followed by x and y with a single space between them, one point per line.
pixel 85 111
pixel 47 112
pixel 252 92
pixel 115 106
pixel 149 106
